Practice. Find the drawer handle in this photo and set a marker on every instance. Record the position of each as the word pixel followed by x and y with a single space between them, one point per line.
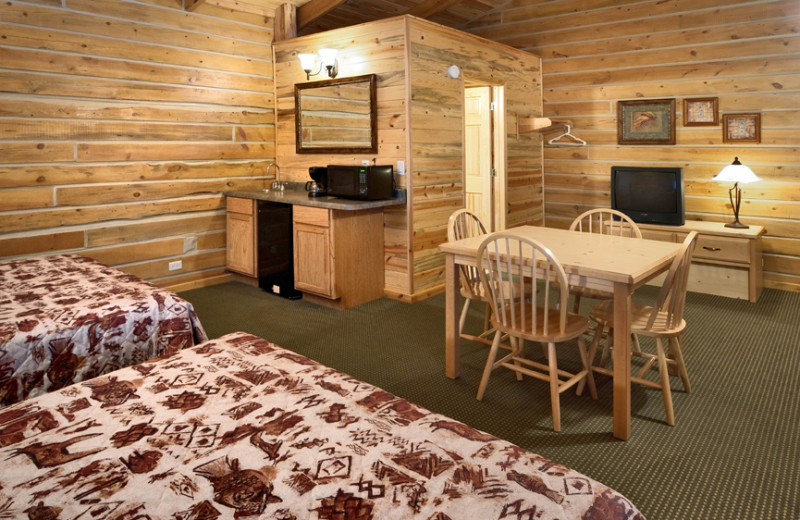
pixel 711 248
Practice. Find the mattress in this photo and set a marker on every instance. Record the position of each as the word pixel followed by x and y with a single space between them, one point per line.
pixel 238 427
pixel 68 318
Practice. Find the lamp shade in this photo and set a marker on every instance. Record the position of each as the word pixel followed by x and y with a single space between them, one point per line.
pixel 736 172
pixel 307 61
pixel 328 56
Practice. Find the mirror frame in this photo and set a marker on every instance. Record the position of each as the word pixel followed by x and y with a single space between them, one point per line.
pixel 373 116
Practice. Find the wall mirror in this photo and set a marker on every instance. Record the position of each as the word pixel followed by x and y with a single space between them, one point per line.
pixel 336 116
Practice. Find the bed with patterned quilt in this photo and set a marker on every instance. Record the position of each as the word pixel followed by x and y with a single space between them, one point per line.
pixel 68 318
pixel 240 428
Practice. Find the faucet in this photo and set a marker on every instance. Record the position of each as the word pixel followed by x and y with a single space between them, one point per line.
pixel 276 184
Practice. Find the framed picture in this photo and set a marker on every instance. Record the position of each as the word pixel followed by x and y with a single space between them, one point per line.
pixel 701 112
pixel 646 121
pixel 741 128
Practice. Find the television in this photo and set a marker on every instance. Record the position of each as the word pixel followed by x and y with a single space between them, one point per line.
pixel 648 195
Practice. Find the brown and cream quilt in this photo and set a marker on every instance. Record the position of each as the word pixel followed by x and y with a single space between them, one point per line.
pixel 68 318
pixel 238 427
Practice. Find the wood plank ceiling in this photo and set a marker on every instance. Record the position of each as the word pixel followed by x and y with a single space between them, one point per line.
pixel 315 16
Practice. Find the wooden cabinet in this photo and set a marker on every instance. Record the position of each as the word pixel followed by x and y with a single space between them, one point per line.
pixel 726 261
pixel 313 251
pixel 338 255
pixel 241 236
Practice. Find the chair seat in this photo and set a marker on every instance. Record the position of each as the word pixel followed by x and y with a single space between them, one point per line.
pixel 576 325
pixel 603 313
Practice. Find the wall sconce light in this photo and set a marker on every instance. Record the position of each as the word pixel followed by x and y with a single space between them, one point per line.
pixel 736 173
pixel 327 59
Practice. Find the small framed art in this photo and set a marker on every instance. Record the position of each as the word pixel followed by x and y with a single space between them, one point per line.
pixel 701 112
pixel 646 121
pixel 741 128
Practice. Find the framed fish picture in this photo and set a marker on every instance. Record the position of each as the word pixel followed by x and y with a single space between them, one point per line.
pixel 646 121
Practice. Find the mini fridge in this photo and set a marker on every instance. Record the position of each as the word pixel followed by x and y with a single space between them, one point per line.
pixel 275 249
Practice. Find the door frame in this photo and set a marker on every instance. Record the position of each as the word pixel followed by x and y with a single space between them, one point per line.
pixel 498 153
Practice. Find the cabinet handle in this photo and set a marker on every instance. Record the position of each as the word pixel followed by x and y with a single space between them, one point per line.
pixel 711 248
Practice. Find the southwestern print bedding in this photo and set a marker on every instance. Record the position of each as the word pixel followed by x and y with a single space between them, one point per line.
pixel 239 428
pixel 68 318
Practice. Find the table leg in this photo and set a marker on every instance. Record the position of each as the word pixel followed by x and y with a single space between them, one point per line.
pixel 622 361
pixel 452 358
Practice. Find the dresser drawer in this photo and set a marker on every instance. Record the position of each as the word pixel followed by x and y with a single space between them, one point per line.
pixel 722 248
pixel 663 236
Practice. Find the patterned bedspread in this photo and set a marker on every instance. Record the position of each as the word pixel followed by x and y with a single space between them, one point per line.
pixel 240 428
pixel 67 318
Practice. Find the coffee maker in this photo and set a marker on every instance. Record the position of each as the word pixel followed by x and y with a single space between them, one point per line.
pixel 318 186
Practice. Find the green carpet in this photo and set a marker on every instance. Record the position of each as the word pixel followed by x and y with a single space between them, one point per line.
pixel 733 453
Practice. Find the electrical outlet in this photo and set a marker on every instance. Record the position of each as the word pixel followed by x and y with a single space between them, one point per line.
pixel 401 167
pixel 365 162
pixel 177 264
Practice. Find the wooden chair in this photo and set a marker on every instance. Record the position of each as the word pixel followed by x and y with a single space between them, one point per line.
pixel 464 224
pixel 662 321
pixel 510 269
pixel 605 222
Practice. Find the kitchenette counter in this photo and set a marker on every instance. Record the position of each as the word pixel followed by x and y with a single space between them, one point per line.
pixel 295 193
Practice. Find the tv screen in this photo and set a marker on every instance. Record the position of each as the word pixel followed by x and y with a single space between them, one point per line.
pixel 650 195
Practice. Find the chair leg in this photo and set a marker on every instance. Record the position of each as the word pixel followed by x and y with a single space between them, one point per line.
pixel 576 303
pixel 486 315
pixel 635 345
pixel 487 370
pixel 555 400
pixel 463 318
pixel 609 344
pixel 590 355
pixel 518 348
pixel 666 391
pixel 677 351
pixel 587 365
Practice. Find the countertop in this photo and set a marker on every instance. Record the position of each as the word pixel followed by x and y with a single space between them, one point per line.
pixel 295 193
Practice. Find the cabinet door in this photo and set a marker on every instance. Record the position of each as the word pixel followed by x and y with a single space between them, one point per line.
pixel 241 236
pixel 312 260
pixel 241 255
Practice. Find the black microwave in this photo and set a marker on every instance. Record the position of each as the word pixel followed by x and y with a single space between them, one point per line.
pixel 360 182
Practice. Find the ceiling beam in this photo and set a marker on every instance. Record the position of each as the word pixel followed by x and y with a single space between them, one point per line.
pixel 307 13
pixel 191 5
pixel 285 22
pixel 428 8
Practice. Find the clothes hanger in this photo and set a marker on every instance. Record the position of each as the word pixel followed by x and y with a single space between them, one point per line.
pixel 576 141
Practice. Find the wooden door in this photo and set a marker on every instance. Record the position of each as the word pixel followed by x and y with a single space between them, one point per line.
pixel 478 154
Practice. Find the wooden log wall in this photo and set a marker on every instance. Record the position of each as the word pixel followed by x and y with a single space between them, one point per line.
pixel 420 121
pixel 437 135
pixel 374 48
pixel 745 53
pixel 121 124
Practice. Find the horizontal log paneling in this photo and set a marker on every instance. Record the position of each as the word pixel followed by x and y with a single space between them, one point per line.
pixel 68 174
pixel 744 52
pixel 437 133
pixel 121 124
pixel 420 120
pixel 375 48
pixel 16 105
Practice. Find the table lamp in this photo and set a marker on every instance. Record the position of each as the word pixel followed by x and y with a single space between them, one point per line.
pixel 737 173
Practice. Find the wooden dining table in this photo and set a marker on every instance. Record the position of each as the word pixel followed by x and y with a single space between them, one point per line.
pixel 611 263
